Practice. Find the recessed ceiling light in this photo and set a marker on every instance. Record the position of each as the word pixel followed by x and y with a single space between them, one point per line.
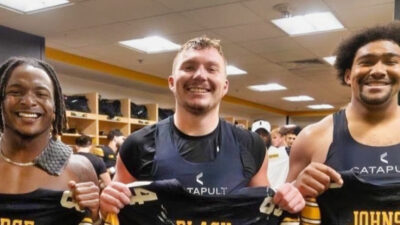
pixel 300 98
pixel 321 106
pixel 267 87
pixel 309 23
pixel 151 45
pixel 233 70
pixel 31 6
pixel 330 59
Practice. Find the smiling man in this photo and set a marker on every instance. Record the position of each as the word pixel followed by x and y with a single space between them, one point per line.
pixel 42 182
pixel 207 155
pixel 362 138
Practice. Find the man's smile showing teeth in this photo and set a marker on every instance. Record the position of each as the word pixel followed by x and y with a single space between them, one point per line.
pixel 28 115
pixel 197 90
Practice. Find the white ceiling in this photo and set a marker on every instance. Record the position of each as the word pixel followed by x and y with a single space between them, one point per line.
pixel 92 28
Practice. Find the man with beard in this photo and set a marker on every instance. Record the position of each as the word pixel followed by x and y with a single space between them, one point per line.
pixel 362 137
pixel 42 182
pixel 206 154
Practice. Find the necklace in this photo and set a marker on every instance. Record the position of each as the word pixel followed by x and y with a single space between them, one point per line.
pixel 22 164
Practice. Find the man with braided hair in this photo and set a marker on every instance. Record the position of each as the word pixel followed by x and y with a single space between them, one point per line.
pixel 207 155
pixel 45 182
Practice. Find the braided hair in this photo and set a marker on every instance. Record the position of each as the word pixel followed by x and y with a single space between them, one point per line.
pixel 7 68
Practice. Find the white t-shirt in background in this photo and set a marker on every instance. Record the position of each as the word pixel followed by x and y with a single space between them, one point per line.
pixel 278 165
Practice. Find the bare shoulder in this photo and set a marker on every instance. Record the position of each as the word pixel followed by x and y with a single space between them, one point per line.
pixel 311 145
pixel 317 135
pixel 81 168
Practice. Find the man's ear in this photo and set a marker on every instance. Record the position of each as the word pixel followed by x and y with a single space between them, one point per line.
pixel 347 75
pixel 226 86
pixel 171 82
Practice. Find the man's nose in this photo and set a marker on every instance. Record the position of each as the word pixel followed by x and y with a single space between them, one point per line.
pixel 200 73
pixel 378 70
pixel 28 99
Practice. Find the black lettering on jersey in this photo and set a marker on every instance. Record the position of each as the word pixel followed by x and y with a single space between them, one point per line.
pixel 364 217
pixel 141 195
pixel 68 202
pixel 8 221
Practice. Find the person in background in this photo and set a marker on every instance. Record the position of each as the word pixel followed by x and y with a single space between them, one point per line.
pixel 277 140
pixel 83 147
pixel 263 128
pixel 289 132
pixel 109 152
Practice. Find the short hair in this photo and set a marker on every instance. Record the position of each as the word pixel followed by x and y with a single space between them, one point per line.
pixel 199 43
pixel 348 48
pixel 114 133
pixel 83 141
pixel 290 129
pixel 276 131
pixel 262 132
pixel 8 67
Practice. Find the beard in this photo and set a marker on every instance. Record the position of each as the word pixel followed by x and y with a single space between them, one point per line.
pixel 373 100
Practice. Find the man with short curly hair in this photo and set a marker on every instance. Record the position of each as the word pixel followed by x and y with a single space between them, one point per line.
pixel 363 138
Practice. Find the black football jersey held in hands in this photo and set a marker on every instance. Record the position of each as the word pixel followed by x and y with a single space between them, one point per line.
pixel 167 202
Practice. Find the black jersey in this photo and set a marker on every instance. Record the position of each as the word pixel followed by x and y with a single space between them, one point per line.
pixel 40 207
pixel 139 149
pixel 98 163
pixel 371 162
pixel 361 202
pixel 219 176
pixel 167 202
pixel 108 156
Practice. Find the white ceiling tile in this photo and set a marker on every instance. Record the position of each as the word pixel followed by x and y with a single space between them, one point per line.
pixel 365 17
pixel 180 5
pixel 271 45
pixel 92 36
pixel 253 31
pixel 355 4
pixel 222 16
pixel 288 55
pixel 322 44
pixel 162 26
pixel 125 10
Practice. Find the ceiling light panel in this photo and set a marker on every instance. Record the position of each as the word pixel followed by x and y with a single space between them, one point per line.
pixel 300 98
pixel 321 106
pixel 31 6
pixel 330 60
pixel 267 87
pixel 233 70
pixel 151 45
pixel 309 23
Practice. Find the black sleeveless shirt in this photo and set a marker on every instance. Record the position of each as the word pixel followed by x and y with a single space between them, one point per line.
pixel 219 176
pixel 370 162
pixel 41 207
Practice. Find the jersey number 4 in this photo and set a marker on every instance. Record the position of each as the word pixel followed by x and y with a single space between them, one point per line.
pixel 141 195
